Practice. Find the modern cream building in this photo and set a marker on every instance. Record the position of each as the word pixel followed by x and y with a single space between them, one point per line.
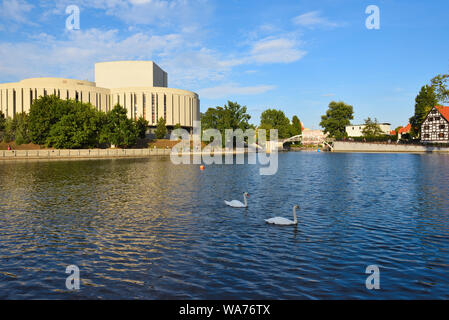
pixel 139 86
pixel 356 130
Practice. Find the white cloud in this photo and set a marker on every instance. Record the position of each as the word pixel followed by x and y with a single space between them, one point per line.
pixel 276 51
pixel 15 11
pixel 232 89
pixel 75 55
pixel 313 19
pixel 159 13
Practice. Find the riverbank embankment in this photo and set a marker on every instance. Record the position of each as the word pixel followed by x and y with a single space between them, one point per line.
pixel 344 146
pixel 65 154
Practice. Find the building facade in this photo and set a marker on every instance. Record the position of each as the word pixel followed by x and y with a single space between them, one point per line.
pixel 435 128
pixel 356 130
pixel 139 86
pixel 313 137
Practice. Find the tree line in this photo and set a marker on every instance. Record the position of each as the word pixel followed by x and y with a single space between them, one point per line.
pixel 69 124
pixel 340 114
pixel 234 116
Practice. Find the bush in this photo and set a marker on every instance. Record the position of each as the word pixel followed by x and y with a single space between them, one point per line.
pixel 382 138
pixel 142 126
pixel 161 129
pixel 118 129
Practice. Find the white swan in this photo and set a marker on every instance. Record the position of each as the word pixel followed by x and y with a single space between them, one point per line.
pixel 238 204
pixel 283 221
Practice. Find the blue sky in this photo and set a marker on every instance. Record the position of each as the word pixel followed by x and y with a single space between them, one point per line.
pixel 292 55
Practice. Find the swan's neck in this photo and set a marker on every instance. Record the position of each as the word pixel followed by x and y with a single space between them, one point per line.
pixel 244 199
pixel 295 218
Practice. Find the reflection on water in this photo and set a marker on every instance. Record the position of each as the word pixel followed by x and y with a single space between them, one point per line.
pixel 149 229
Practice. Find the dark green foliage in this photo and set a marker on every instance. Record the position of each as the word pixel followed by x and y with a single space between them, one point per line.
pixel 424 102
pixel 372 129
pixel 440 84
pixel 161 129
pixel 379 138
pixel 275 119
pixel 72 125
pixel 77 129
pixel 2 121
pixel 22 135
pixel 118 129
pixel 44 113
pixel 9 133
pixel 141 126
pixel 230 116
pixel 337 117
pixel 296 128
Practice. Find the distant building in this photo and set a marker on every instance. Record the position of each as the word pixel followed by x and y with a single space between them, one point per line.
pixel 404 130
pixel 313 137
pixel 139 86
pixel 356 130
pixel 435 128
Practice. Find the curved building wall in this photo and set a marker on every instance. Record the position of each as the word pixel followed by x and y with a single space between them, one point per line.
pixel 18 97
pixel 174 105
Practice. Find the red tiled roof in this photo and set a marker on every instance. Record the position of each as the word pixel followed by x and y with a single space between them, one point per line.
pixel 392 132
pixel 444 111
pixel 405 130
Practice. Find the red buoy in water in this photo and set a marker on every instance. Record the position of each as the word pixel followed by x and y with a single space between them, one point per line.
pixel 202 168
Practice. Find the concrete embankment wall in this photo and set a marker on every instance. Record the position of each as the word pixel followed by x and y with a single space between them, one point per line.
pixel 340 146
pixel 82 154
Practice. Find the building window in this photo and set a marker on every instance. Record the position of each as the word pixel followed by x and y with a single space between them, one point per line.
pixel 442 126
pixel 434 111
pixel 45 92
pixel 426 127
pixel 430 119
pixel 441 135
pixel 59 93
pixel 14 103
pixel 437 118
pixel 165 107
pixel 144 101
pixel 31 97
pixel 153 104
pixel 426 136
pixel 76 96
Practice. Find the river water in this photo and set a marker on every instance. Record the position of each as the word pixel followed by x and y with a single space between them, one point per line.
pixel 148 229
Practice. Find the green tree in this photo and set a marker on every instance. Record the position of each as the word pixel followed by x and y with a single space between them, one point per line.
pixel 22 135
pixel 44 113
pixel 177 126
pixel 424 102
pixel 141 125
pixel 372 128
pixel 296 127
pixel 10 130
pixel 275 119
pixel 118 129
pixel 440 84
pixel 2 121
pixel 337 117
pixel 230 116
pixel 78 129
pixel 161 129
pixel 2 125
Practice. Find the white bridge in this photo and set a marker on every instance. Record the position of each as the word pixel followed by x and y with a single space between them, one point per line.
pixel 298 138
